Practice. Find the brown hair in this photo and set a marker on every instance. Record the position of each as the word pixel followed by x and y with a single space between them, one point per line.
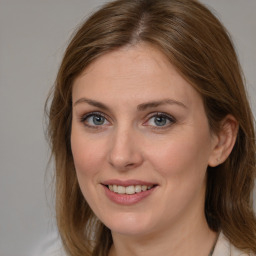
pixel 198 45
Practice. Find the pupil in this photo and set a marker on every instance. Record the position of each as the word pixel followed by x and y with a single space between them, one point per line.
pixel 160 121
pixel 98 120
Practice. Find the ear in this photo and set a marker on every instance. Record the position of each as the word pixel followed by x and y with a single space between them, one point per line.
pixel 224 141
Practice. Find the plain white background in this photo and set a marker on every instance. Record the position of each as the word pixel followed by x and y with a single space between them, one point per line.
pixel 33 37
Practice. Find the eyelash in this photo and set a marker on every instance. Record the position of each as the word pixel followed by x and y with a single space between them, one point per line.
pixel 84 118
pixel 169 118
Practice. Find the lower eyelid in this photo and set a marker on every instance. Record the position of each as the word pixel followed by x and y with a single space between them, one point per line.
pixel 88 123
pixel 169 121
pixel 83 119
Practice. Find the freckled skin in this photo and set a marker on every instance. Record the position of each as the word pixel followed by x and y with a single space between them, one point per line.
pixel 130 146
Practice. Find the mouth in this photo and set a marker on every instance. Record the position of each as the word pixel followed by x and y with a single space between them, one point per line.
pixel 129 190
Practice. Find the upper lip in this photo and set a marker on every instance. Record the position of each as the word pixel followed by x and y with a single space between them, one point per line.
pixel 127 183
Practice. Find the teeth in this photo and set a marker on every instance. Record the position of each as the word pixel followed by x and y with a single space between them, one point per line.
pixel 143 188
pixel 130 190
pixel 115 188
pixel 138 188
pixel 120 190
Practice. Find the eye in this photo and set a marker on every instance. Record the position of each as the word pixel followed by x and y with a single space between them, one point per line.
pixel 160 120
pixel 94 120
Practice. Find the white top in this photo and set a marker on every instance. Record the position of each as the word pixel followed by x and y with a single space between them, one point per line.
pixel 53 247
pixel 225 248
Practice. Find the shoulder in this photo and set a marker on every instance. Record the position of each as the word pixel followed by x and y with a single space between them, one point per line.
pixel 51 246
pixel 225 248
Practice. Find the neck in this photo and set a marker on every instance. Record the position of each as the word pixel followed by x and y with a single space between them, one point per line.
pixel 193 238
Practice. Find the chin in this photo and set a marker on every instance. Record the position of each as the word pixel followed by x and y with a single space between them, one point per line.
pixel 129 224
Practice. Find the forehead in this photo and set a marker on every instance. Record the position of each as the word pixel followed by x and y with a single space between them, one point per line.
pixel 141 71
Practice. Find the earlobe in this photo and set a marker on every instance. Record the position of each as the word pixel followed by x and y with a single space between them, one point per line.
pixel 224 141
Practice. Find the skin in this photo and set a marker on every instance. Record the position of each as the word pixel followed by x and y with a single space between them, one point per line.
pixel 130 144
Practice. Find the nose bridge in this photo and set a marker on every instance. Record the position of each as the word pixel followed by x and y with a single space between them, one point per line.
pixel 125 152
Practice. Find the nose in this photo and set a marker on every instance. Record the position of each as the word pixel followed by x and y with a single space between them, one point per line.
pixel 125 151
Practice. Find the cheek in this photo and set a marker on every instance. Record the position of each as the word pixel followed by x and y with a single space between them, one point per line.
pixel 182 165
pixel 182 154
pixel 88 161
pixel 86 153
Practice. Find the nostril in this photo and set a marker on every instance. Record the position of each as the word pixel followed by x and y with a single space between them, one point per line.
pixel 130 164
pixel 124 154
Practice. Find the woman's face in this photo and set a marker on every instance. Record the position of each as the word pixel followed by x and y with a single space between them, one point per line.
pixel 140 129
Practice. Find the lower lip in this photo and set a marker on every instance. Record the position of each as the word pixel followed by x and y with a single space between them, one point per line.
pixel 125 199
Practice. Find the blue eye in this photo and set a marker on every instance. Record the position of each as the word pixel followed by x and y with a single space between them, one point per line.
pixel 160 120
pixel 97 120
pixel 94 119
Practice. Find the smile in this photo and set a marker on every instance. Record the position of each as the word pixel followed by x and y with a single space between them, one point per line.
pixel 129 190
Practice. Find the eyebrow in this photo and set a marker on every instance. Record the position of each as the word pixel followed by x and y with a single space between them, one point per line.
pixel 92 103
pixel 153 104
pixel 140 107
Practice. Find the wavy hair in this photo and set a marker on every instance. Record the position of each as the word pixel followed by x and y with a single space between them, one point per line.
pixel 198 45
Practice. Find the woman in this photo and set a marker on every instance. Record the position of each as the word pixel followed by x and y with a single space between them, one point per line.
pixel 152 135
